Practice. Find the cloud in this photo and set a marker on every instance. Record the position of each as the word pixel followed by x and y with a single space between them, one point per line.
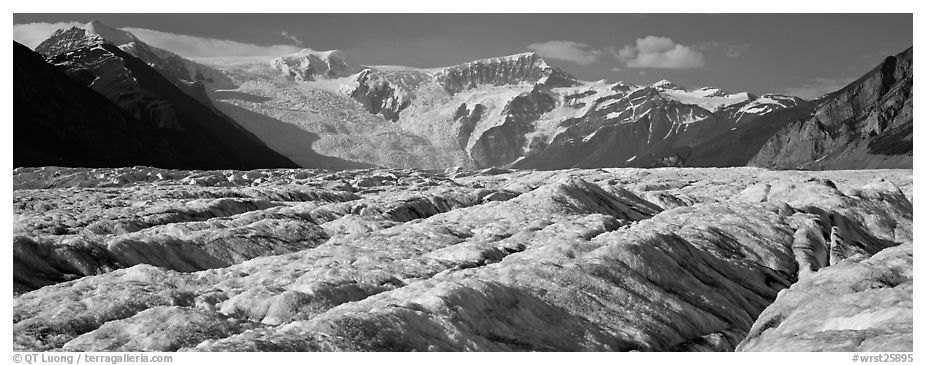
pixel 659 52
pixel 31 34
pixel 817 87
pixel 192 46
pixel 730 50
pixel 291 37
pixel 580 53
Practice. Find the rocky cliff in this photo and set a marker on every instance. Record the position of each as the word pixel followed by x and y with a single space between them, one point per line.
pixel 179 70
pixel 527 68
pixel 867 124
pixel 59 121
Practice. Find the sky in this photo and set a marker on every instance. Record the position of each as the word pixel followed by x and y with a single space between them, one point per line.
pixel 805 55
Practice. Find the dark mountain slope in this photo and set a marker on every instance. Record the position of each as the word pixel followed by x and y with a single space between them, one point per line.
pixel 58 121
pixel 736 146
pixel 867 124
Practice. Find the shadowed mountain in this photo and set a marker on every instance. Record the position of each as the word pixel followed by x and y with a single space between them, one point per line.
pixel 130 115
pixel 867 124
pixel 736 146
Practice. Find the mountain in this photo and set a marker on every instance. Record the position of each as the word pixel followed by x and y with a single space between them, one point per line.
pixel 513 111
pixel 159 124
pixel 327 109
pixel 57 121
pixel 518 111
pixel 867 124
pixel 179 70
pixel 309 65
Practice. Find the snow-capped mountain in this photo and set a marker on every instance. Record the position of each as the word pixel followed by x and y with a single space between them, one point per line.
pixel 709 98
pixel 172 66
pixel 308 65
pixel 763 105
pixel 520 69
pixel 181 127
pixel 512 111
pixel 519 111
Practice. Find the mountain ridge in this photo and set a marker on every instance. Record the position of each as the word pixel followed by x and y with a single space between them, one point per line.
pixel 182 131
pixel 513 111
pixel 866 124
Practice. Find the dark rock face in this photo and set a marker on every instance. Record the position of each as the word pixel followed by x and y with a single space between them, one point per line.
pixel 638 128
pixel 57 121
pixel 737 146
pixel 173 67
pixel 174 129
pixel 526 67
pixel 468 120
pixel 868 124
pixel 65 40
pixel 492 260
pixel 503 144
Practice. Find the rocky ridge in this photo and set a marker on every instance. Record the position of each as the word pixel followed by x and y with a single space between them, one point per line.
pixel 325 110
pixel 867 124
pixel 518 111
pixel 307 65
pixel 178 69
pixel 181 128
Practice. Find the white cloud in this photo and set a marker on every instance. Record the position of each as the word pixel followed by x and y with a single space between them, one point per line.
pixel 659 52
pixel 291 37
pixel 192 46
pixel 580 53
pixel 817 87
pixel 31 34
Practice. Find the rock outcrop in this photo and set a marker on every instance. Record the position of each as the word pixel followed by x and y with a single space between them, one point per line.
pixel 526 68
pixel 383 93
pixel 488 260
pixel 175 68
pixel 868 124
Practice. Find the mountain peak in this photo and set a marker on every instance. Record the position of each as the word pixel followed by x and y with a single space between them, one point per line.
pixel 90 34
pixel 531 57
pixel 108 33
pixel 526 67
pixel 667 85
pixel 309 65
